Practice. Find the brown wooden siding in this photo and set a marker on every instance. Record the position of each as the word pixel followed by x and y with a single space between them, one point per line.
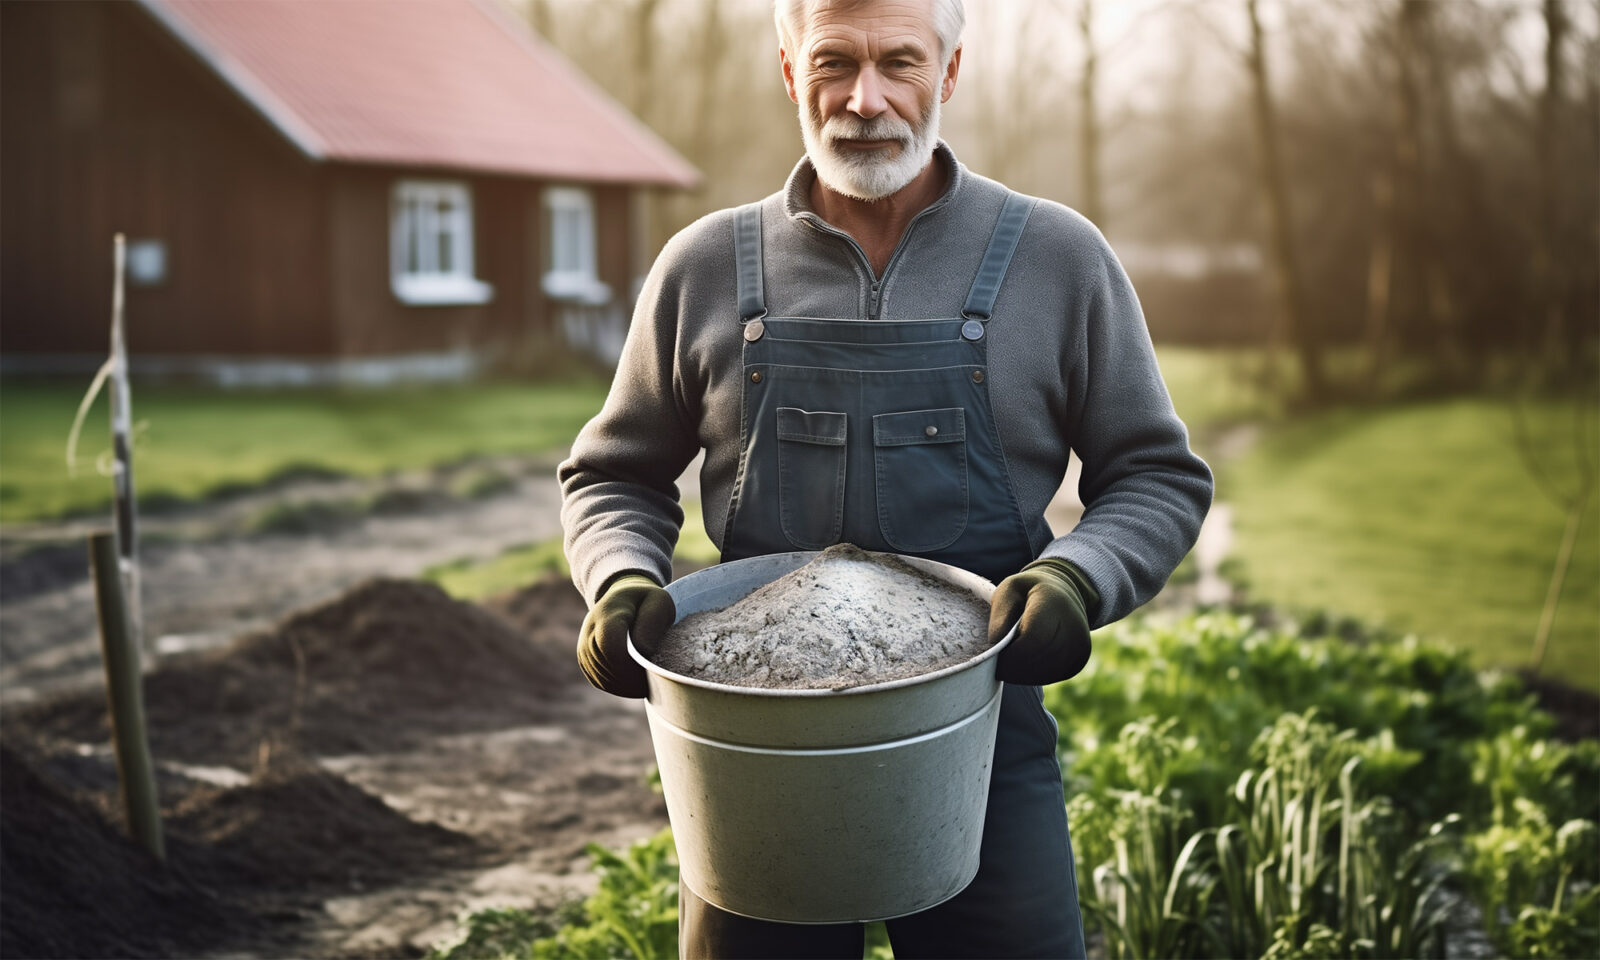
pixel 109 124
pixel 372 321
pixel 614 253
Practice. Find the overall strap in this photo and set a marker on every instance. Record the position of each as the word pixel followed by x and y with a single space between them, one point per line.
pixel 747 250
pixel 1002 244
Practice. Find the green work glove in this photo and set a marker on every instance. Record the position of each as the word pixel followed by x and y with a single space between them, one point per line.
pixel 1051 599
pixel 631 602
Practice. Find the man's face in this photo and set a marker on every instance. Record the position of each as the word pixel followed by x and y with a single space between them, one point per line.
pixel 869 81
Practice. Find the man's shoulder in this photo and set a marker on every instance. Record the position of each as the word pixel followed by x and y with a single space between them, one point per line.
pixel 704 248
pixel 1066 233
pixel 707 242
pixel 1061 229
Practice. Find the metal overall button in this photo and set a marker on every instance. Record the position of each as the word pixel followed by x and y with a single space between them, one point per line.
pixel 972 330
pixel 754 330
pixel 755 376
pixel 977 376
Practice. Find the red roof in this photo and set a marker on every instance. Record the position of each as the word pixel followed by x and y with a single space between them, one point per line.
pixel 437 83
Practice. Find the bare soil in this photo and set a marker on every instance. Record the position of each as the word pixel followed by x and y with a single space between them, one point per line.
pixel 347 759
pixel 341 785
pixel 207 578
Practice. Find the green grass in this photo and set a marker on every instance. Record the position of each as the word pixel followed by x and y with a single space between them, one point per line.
pixel 192 441
pixel 1214 389
pixel 516 567
pixel 520 566
pixel 1422 518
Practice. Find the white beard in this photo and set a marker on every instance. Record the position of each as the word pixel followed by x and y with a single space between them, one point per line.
pixel 865 175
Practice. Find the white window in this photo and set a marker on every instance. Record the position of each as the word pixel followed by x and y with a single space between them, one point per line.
pixel 147 262
pixel 430 244
pixel 572 274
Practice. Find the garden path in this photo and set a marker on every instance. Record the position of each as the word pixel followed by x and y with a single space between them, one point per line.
pixel 204 583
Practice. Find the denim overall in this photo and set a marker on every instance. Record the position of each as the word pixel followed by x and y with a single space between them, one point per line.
pixel 881 434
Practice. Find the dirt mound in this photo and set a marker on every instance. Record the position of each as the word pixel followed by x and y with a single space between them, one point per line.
pixel 386 663
pixel 75 886
pixel 305 827
pixel 239 861
pixel 403 643
pixel 389 667
pixel 550 613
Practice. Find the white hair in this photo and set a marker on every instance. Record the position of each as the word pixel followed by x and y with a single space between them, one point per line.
pixel 949 17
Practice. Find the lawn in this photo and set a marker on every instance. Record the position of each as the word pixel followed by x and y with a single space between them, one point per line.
pixel 469 579
pixel 1215 389
pixel 1425 519
pixel 1422 518
pixel 193 441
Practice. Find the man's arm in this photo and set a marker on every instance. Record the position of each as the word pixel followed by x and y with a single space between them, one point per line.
pixel 620 509
pixel 1144 491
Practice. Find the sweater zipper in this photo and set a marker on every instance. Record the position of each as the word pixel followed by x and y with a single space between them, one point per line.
pixel 875 299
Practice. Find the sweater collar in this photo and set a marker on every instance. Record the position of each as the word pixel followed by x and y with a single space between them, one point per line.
pixel 797 189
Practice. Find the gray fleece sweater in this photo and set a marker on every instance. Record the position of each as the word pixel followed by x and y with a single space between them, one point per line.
pixel 1070 361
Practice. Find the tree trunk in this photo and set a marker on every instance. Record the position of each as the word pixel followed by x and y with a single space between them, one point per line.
pixel 644 45
pixel 1380 276
pixel 1410 200
pixel 1548 274
pixel 713 51
pixel 1089 121
pixel 1292 331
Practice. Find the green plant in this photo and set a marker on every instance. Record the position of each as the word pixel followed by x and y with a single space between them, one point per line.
pixel 1226 677
pixel 1518 768
pixel 1537 884
pixel 1148 899
pixel 633 914
pixel 1312 839
pixel 502 933
pixel 1309 866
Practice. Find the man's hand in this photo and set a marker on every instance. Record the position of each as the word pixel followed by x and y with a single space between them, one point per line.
pixel 631 602
pixel 1051 599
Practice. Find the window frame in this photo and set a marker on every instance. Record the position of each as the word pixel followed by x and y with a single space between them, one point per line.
pixel 416 227
pixel 573 269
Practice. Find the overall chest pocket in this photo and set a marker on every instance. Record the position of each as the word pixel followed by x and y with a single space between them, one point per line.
pixel 920 459
pixel 811 455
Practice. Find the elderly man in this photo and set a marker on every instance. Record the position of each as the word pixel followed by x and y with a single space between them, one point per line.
pixel 895 352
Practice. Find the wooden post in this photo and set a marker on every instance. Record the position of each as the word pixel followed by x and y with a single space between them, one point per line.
pixel 124 507
pixel 125 695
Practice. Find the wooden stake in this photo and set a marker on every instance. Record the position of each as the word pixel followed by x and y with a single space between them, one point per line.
pixel 124 504
pixel 125 696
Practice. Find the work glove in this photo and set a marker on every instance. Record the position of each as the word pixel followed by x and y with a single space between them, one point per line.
pixel 1051 600
pixel 631 602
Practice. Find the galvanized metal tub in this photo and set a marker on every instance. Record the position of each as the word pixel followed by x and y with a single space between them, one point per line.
pixel 824 806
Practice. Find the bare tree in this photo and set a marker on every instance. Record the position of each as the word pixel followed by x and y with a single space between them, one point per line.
pixel 1548 273
pixel 1403 277
pixel 1089 120
pixel 1292 331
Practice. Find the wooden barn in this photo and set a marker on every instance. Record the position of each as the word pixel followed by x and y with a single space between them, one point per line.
pixel 312 192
